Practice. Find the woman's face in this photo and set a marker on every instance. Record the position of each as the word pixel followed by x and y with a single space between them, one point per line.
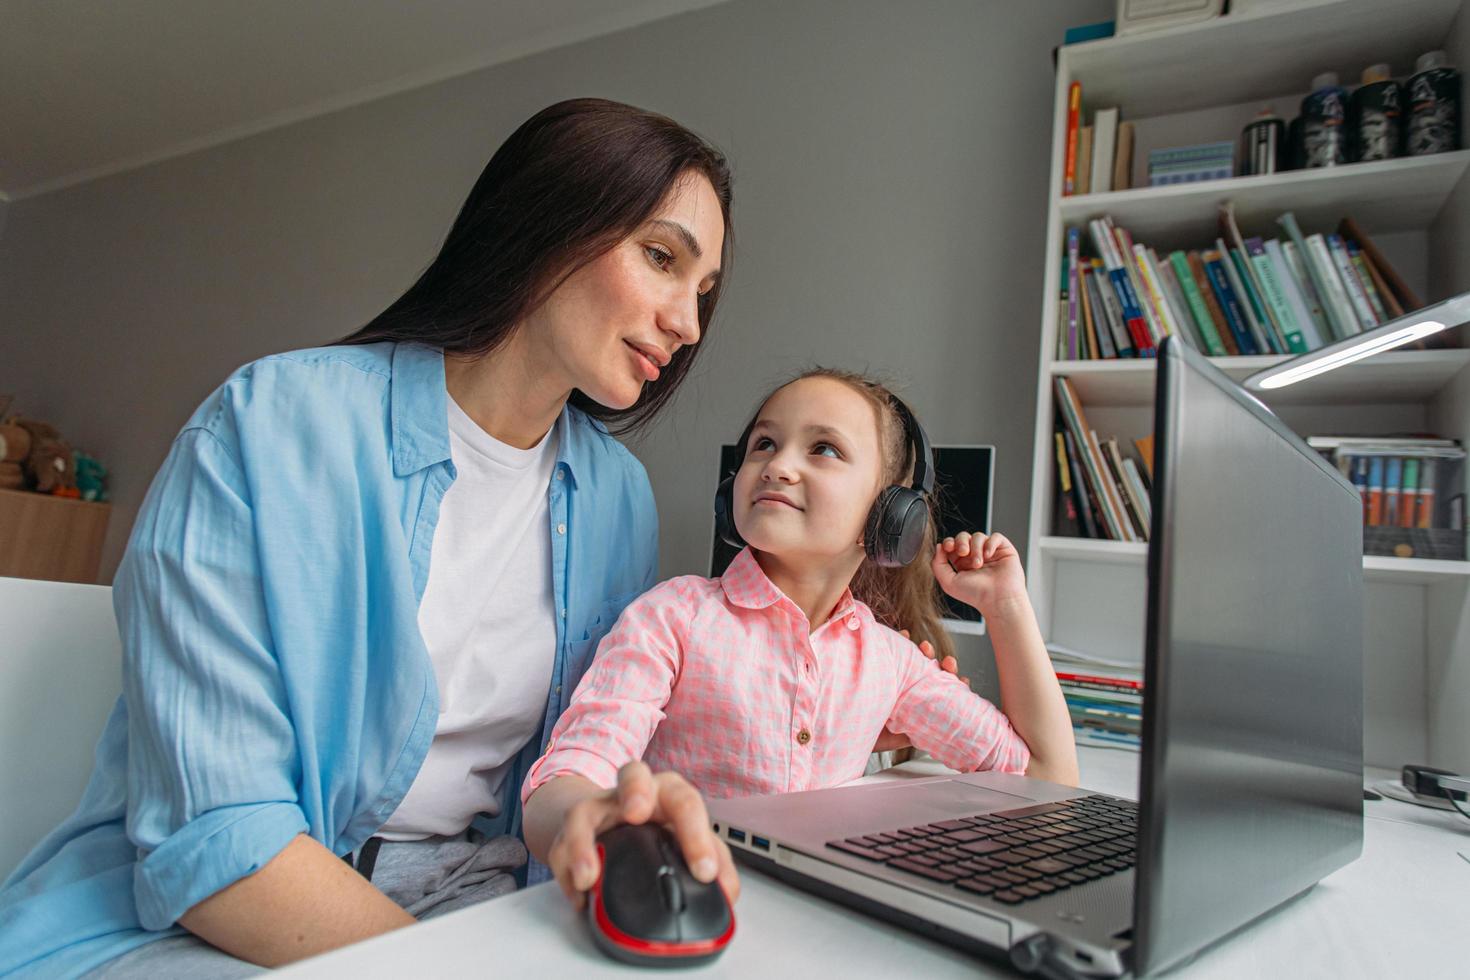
pixel 614 324
pixel 812 469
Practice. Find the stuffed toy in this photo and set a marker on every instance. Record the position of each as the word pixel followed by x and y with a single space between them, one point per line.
pixel 91 478
pixel 49 467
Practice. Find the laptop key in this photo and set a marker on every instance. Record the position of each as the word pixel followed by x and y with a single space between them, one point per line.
pixel 982 847
pixel 1027 811
pixel 951 825
pixel 1047 866
pixel 963 836
pixel 1026 891
pixel 934 874
pixel 860 850
pixel 980 886
pixel 1008 896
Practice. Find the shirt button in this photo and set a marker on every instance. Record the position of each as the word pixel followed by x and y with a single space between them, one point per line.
pixel 563 612
pixel 560 474
pixel 803 736
pixel 562 529
pixel 852 622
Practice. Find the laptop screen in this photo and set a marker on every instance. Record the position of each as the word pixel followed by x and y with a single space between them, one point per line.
pixel 1253 719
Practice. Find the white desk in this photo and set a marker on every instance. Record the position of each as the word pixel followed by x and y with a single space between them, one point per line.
pixel 1399 910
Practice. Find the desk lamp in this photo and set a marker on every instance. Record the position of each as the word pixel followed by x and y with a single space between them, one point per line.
pixel 1406 329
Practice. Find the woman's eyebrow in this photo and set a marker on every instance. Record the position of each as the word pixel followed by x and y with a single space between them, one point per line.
pixel 687 238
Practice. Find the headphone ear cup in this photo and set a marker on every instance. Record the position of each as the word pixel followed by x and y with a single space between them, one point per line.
pixel 895 527
pixel 725 513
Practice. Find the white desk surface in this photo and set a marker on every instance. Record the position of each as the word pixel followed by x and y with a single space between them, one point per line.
pixel 1399 910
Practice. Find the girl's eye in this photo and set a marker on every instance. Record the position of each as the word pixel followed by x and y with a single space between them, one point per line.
pixel 827 449
pixel 658 256
pixel 761 444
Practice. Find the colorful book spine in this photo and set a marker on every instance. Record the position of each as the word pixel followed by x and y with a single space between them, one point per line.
pixel 1156 329
pixel 1301 277
pixel 1288 284
pixel 1409 493
pixel 1093 349
pixel 1273 294
pixel 1359 467
pixel 1344 319
pixel 1202 321
pixel 1164 272
pixel 1424 508
pixel 1274 341
pixel 1237 286
pixel 1112 311
pixel 1074 120
pixel 1392 490
pixel 1107 247
pixel 1318 275
pixel 1098 326
pixel 1073 249
pixel 1086 511
pixel 1157 300
pixel 1212 306
pixel 1375 491
pixel 1229 303
pixel 1092 463
pixel 1360 265
pixel 1356 294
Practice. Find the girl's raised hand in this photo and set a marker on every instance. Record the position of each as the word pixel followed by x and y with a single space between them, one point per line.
pixel 979 570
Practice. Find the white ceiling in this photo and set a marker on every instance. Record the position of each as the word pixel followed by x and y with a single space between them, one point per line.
pixel 89 88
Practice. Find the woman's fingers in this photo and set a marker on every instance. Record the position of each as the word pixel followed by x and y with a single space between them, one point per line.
pixel 682 808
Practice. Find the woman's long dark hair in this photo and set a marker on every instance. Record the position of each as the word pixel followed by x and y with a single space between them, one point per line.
pixel 571 183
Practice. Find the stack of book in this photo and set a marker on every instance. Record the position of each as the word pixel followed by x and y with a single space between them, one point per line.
pixel 1100 155
pixel 1242 296
pixel 1408 483
pixel 1187 164
pixel 1102 492
pixel 1106 703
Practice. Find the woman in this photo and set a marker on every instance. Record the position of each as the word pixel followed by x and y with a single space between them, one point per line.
pixel 368 577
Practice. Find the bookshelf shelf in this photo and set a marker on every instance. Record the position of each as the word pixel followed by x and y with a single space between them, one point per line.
pixel 1247 58
pixel 1387 196
pixel 1376 568
pixel 1397 377
pixel 1202 83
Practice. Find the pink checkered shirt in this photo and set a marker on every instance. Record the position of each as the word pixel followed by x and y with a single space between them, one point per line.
pixel 720 681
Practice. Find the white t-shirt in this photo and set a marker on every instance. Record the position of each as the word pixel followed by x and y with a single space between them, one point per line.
pixel 488 618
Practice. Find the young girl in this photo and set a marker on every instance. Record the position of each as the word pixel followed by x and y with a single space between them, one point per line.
pixel 778 676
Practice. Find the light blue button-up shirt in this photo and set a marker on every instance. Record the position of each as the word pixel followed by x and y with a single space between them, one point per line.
pixel 274 679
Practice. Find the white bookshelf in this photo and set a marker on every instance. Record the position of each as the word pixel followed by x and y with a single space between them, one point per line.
pixel 1203 83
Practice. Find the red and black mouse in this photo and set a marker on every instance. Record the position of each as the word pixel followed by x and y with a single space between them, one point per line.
pixel 648 909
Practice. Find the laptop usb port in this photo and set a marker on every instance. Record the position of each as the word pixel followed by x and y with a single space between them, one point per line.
pixel 736 835
pixel 760 842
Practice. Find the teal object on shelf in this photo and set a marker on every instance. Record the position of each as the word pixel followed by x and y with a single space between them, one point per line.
pixel 1088 32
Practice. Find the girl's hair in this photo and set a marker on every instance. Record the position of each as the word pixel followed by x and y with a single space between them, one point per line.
pixel 567 186
pixel 906 597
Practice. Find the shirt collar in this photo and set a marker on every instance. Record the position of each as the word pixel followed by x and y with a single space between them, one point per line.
pixel 420 416
pixel 746 584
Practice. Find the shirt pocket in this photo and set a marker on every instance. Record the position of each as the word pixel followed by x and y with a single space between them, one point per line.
pixel 580 652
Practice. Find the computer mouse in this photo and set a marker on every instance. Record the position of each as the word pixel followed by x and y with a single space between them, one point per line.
pixel 647 908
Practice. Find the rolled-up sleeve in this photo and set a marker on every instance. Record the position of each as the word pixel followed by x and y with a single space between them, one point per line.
pixel 213 762
pixel 620 701
pixel 941 715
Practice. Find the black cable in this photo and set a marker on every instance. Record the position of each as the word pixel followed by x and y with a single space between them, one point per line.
pixel 1449 794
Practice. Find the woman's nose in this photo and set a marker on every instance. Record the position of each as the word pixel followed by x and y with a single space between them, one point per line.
pixel 681 319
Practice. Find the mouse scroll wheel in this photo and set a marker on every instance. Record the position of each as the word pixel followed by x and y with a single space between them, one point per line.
pixel 673 892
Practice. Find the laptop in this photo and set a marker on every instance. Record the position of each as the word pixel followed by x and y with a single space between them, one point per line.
pixel 1251 768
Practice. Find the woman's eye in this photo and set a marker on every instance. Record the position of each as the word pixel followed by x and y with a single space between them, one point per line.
pixel 827 449
pixel 659 257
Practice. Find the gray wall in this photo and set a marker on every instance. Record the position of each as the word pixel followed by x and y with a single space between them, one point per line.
pixel 890 162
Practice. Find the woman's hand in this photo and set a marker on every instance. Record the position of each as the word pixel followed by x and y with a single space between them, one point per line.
pixel 891 741
pixel 979 570
pixel 640 796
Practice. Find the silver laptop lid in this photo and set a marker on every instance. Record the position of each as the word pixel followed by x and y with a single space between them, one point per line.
pixel 1253 720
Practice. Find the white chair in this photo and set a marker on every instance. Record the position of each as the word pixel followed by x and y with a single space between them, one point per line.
pixel 60 673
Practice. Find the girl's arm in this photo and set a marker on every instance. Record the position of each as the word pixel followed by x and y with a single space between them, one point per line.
pixel 599 742
pixel 985 572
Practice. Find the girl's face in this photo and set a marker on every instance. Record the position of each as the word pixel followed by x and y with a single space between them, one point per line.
pixel 614 324
pixel 812 469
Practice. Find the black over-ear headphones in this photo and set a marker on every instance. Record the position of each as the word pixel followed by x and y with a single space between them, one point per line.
pixel 896 522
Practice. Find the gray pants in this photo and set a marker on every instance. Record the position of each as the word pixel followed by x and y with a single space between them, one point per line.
pixel 427 878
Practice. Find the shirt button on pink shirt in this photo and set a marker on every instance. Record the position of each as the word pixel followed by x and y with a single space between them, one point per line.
pixel 709 678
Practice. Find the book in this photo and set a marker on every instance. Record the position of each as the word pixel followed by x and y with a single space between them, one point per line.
pixel 1395 309
pixel 1134 481
pixel 1424 506
pixel 1137 510
pixel 1407 298
pixel 1107 247
pixel 1248 303
pixel 1086 511
pixel 1074 116
pixel 1338 303
pixel 1067 520
pixel 1098 676
pixel 1204 324
pixel 1319 276
pixel 1274 295
pixel 1228 302
pixel 1091 348
pixel 1145 447
pixel 1084 161
pixel 1304 322
pixel 1261 326
pixel 1156 329
pixel 1392 487
pixel 1164 272
pixel 1073 249
pixel 1212 306
pixel 1123 158
pixel 1249 270
pixel 1097 323
pixel 1355 254
pixel 1092 464
pixel 1357 295
pixel 1375 491
pixel 1104 141
pixel 1409 493
pixel 1110 490
pixel 1163 311
pixel 1301 277
pixel 1104 297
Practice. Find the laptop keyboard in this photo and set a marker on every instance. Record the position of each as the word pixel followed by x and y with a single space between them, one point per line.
pixel 1015 855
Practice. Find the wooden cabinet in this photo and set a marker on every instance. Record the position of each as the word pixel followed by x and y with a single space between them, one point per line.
pixel 48 537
